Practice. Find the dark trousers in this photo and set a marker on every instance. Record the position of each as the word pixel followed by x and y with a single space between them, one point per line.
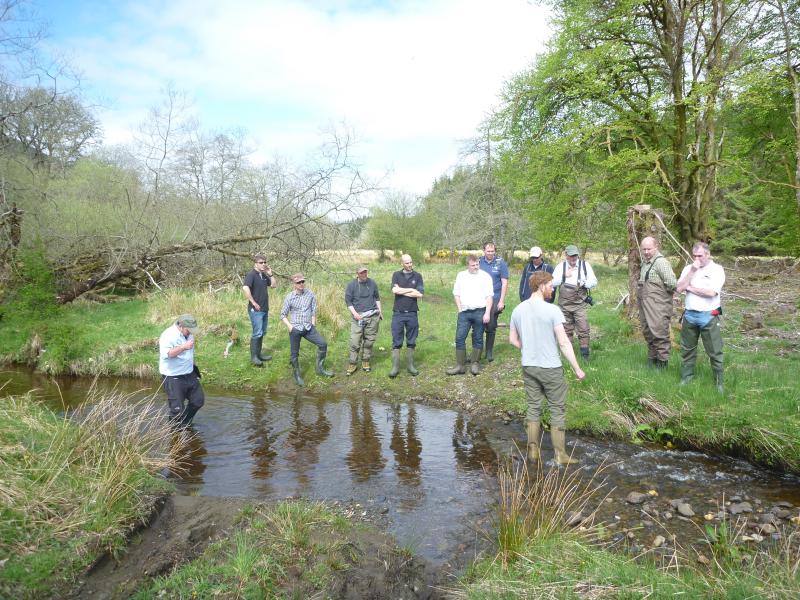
pixel 491 326
pixel 470 319
pixel 312 335
pixel 404 324
pixel 181 388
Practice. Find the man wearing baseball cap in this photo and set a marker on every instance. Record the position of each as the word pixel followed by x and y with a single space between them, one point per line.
pixel 181 378
pixel 574 278
pixel 364 303
pixel 535 263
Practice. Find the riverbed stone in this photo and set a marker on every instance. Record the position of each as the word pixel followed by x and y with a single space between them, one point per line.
pixel 784 504
pixel 636 498
pixel 573 518
pixel 767 528
pixel 685 509
pixel 667 515
pixel 768 518
pixel 740 507
pixel 658 541
pixel 782 513
pixel 752 320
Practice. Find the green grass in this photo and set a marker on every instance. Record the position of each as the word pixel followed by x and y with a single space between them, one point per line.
pixel 291 549
pixel 758 417
pixel 71 490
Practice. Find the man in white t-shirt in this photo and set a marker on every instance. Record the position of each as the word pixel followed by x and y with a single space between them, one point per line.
pixel 537 329
pixel 474 293
pixel 702 283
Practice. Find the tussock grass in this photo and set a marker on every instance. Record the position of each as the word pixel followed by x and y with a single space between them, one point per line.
pixel 72 488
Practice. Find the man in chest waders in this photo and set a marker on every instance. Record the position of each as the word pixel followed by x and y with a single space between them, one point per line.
pixel 656 288
pixel 574 278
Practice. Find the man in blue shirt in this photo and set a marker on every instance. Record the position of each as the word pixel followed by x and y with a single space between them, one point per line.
pixel 497 269
pixel 180 377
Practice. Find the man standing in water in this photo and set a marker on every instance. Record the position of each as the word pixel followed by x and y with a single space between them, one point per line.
pixel 656 288
pixel 702 282
pixel 537 329
pixel 180 376
pixel 256 290
pixel 407 288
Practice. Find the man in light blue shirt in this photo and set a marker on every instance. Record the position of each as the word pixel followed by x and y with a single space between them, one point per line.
pixel 537 329
pixel 181 378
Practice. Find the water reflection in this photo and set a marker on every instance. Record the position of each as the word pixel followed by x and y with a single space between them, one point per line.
pixel 304 438
pixel 469 443
pixel 406 445
pixel 365 458
pixel 262 438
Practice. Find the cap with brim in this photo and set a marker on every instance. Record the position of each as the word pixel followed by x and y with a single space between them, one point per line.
pixel 189 322
pixel 361 269
pixel 572 250
pixel 535 252
pixel 298 277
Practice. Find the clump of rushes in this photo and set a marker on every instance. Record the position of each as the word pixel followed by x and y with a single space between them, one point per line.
pixel 536 503
pixel 73 487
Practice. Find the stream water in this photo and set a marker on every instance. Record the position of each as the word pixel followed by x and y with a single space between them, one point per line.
pixel 420 470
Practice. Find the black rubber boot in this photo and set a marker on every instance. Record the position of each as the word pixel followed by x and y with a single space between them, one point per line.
pixel 188 414
pixel 321 370
pixel 261 355
pixel 489 346
pixel 298 379
pixel 585 353
pixel 255 344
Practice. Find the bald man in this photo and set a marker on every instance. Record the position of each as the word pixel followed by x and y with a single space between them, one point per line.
pixel 656 288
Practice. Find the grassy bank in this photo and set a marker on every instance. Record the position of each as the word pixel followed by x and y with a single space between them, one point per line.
pixel 758 417
pixel 539 556
pixel 71 490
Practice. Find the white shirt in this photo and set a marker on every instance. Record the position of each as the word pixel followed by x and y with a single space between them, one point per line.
pixel 711 277
pixel 179 365
pixel 577 278
pixel 473 289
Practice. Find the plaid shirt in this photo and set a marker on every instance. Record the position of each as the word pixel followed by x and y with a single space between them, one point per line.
pixel 659 270
pixel 302 306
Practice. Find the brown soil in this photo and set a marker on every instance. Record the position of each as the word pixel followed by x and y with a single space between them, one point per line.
pixel 181 527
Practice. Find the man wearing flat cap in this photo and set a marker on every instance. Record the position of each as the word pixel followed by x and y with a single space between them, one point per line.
pixel 181 378
pixel 535 263
pixel 299 314
pixel 574 278
pixel 364 303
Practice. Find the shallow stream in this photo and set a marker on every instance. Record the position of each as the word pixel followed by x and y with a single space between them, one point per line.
pixel 419 471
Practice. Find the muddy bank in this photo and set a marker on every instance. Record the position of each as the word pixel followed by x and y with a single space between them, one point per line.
pixel 182 527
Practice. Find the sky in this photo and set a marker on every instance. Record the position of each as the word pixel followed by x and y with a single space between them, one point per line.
pixel 411 79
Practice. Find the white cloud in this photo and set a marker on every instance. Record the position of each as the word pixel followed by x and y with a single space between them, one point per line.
pixel 412 78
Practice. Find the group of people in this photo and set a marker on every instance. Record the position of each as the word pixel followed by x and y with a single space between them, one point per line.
pixel 538 327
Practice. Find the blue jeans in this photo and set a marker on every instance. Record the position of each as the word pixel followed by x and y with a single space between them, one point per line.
pixel 258 320
pixel 467 319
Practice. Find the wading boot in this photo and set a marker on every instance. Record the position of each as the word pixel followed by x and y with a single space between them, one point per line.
pixel 475 367
pixel 489 347
pixel 410 366
pixel 395 363
pixel 365 366
pixel 321 370
pixel 585 353
pixel 254 358
pixel 534 429
pixel 352 368
pixel 260 354
pixel 661 364
pixel 296 372
pixel 188 414
pixel 560 446
pixel 461 360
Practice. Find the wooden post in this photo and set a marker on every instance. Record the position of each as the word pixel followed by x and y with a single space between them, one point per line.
pixel 642 221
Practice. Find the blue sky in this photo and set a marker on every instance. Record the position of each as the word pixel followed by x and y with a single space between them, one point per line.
pixel 411 79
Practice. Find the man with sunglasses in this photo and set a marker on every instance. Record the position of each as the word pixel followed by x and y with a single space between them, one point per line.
pixel 256 290
pixel 299 314
pixel 702 283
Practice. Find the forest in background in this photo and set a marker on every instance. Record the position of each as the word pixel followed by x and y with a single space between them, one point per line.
pixel 689 106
